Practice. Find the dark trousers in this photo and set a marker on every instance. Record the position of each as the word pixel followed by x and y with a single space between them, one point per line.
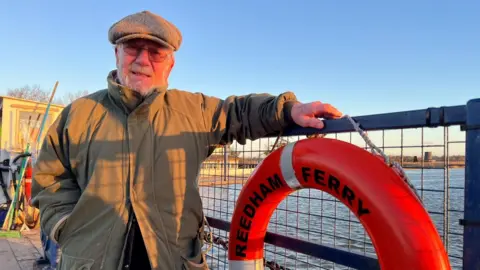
pixel 50 250
pixel 136 256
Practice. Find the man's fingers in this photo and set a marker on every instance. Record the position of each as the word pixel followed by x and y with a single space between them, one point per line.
pixel 326 110
pixel 331 111
pixel 314 123
pixel 306 115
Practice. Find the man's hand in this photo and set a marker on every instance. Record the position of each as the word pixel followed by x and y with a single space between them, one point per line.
pixel 307 114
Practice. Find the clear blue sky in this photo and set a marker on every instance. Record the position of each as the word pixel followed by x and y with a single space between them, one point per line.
pixel 364 57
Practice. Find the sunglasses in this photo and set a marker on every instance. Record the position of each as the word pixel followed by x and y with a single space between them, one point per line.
pixel 155 54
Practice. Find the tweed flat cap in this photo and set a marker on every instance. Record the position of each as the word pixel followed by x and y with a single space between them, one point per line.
pixel 145 25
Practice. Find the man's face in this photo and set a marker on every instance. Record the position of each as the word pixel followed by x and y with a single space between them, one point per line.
pixel 143 64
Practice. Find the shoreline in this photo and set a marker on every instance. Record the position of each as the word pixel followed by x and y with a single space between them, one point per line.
pixel 221 182
pixel 240 176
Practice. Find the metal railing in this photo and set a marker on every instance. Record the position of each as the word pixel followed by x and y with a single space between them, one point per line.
pixel 438 147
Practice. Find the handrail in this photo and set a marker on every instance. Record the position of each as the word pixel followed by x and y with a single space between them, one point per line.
pixel 430 117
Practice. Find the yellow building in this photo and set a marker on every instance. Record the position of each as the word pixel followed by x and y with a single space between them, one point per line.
pixel 20 122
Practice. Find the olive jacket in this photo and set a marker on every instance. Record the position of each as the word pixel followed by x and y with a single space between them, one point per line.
pixel 113 152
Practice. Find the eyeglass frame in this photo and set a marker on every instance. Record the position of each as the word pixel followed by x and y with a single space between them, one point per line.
pixel 136 50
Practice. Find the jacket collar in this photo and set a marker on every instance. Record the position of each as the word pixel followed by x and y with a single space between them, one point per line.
pixel 128 99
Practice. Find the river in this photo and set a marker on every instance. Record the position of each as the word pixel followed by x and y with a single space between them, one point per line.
pixel 317 217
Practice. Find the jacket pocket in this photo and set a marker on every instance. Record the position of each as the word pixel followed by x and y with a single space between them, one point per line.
pixel 68 262
pixel 191 264
pixel 195 260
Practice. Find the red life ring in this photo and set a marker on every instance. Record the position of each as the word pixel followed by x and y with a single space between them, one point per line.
pixel 400 228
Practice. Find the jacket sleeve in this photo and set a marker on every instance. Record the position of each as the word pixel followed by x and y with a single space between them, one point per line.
pixel 247 117
pixel 54 188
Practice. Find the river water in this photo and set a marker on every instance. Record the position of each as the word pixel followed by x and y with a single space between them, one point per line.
pixel 317 217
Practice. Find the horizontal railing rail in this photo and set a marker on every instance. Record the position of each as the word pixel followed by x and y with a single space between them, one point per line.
pixel 431 117
pixel 346 258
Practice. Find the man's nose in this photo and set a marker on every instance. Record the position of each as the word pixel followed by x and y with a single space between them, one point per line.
pixel 142 57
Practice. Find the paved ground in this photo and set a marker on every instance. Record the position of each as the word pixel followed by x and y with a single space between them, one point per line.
pixel 20 253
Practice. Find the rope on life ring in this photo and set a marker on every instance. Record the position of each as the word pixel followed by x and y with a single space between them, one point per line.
pixel 400 228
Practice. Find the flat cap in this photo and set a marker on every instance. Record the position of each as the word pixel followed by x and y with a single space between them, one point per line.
pixel 145 25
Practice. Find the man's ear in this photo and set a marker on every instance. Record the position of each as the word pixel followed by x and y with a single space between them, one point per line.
pixel 172 63
pixel 116 55
pixel 170 67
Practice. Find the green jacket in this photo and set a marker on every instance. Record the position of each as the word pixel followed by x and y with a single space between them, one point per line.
pixel 113 152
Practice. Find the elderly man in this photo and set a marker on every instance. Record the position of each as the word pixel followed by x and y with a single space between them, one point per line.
pixel 116 178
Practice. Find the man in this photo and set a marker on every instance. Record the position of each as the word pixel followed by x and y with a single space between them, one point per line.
pixel 116 178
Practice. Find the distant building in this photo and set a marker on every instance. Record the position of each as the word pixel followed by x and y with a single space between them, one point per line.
pixel 428 157
pixel 217 160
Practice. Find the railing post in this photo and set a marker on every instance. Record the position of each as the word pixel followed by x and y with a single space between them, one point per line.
pixel 471 221
pixel 225 163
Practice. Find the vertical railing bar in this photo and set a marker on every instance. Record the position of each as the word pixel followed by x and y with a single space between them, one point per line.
pixel 214 197
pixel 226 171
pixel 287 200
pixel 350 243
pixel 383 140
pixel 445 186
pixel 308 226
pixel 350 213
pixel 269 143
pixel 401 147
pixel 423 164
pixel 298 219
pixel 235 166
pixel 225 162
pixel 215 191
pixel 471 235
pixel 321 223
pixel 366 147
pixel 335 207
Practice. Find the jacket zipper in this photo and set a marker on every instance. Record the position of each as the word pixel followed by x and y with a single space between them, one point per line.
pixel 130 235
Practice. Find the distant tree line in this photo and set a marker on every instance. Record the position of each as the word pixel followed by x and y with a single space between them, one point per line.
pixel 398 158
pixel 36 93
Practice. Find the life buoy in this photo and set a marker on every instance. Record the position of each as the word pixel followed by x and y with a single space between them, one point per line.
pixel 400 228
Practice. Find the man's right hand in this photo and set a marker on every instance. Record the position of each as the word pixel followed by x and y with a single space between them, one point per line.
pixel 307 114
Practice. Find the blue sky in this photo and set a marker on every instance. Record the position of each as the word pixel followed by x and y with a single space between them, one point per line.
pixel 364 57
